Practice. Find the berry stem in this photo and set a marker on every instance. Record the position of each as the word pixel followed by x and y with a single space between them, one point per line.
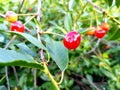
pixel 27 14
pixel 29 20
pixel 52 33
pixel 79 14
pixel 96 18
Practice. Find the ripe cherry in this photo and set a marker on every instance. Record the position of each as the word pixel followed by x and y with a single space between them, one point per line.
pixel 17 26
pixel 105 26
pixel 90 32
pixel 11 16
pixel 72 40
pixel 100 33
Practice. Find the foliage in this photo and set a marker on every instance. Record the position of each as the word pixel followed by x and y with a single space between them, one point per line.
pixel 95 64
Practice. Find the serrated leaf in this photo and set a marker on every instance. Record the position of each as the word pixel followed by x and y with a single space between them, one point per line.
pixel 31 39
pixel 68 22
pixel 26 49
pixel 13 58
pixel 58 53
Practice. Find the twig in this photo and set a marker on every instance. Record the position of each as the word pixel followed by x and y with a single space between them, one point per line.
pixel 96 45
pixel 15 73
pixel 47 72
pixel 38 36
pixel 8 44
pixel 7 78
pixel 103 11
pixel 86 80
pixel 6 68
pixel 96 6
pixel 35 81
pixel 21 5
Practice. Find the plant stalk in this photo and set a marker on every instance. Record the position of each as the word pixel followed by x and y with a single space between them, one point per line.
pixel 50 77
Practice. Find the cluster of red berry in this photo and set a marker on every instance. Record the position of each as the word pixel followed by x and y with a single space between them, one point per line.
pixel 73 38
pixel 15 24
pixel 70 41
pixel 99 31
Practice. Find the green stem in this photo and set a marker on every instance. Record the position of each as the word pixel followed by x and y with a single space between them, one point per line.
pixel 52 33
pixel 113 18
pixel 47 72
pixel 62 76
pixel 29 20
pixel 31 14
pixel 79 14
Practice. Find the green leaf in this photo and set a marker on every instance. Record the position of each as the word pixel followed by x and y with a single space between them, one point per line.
pixel 114 33
pixel 58 27
pixel 2 38
pixel 58 53
pixel 26 49
pixel 89 77
pixel 117 3
pixel 83 30
pixel 2 87
pixel 108 74
pixel 31 39
pixel 68 22
pixel 109 2
pixel 13 58
pixel 71 5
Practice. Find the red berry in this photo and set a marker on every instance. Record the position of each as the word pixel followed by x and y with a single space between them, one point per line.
pixel 105 26
pixel 17 26
pixel 100 33
pixel 72 40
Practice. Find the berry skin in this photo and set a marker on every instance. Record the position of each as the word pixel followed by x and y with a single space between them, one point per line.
pixel 11 16
pixel 72 40
pixel 90 32
pixel 17 26
pixel 105 26
pixel 100 33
